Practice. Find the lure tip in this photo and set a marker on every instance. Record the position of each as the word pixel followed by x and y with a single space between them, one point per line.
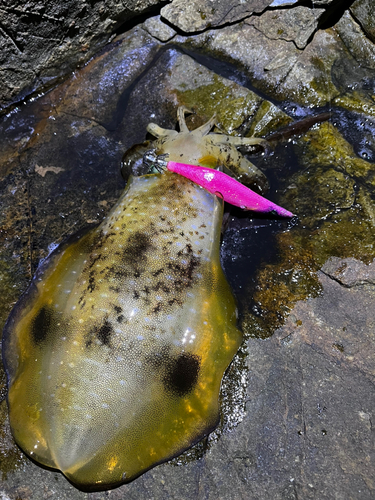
pixel 284 213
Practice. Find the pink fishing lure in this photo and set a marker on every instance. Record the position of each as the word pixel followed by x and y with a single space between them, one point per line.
pixel 226 187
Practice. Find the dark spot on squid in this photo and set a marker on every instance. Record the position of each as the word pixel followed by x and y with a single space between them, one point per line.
pixel 160 285
pixel 174 301
pixel 104 333
pixel 182 374
pixel 41 325
pixel 137 247
pixel 157 308
pixel 94 260
pixel 92 284
pixel 115 272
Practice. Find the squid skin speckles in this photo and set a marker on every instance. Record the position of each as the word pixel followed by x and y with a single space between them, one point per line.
pixel 115 353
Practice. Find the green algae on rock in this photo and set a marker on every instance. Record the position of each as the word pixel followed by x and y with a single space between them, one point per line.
pixel 338 220
pixel 280 285
pixel 240 108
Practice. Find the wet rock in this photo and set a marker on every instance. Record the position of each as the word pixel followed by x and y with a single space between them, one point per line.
pixel 363 13
pixel 297 24
pixel 267 61
pixel 358 101
pixel 338 223
pixel 356 41
pixel 198 15
pixel 355 118
pixel 267 46
pixel 41 42
pixel 339 323
pixel 350 272
pixel 200 89
pixel 300 76
pixel 312 401
pixel 282 3
pixel 269 49
pixel 48 154
pixel 159 30
pixel 354 81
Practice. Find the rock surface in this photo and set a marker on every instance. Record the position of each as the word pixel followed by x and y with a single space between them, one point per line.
pixel 198 15
pixel 298 24
pixel 298 400
pixel 362 11
pixel 42 41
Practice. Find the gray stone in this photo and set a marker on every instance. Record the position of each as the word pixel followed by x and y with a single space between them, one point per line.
pixel 255 51
pixel 356 41
pixel 314 400
pixel 198 15
pixel 297 24
pixel 282 3
pixel 88 128
pixel 350 272
pixel 43 41
pixel 301 76
pixel 158 29
pixel 363 12
pixel 310 80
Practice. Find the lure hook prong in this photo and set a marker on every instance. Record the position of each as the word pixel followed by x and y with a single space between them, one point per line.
pixel 154 161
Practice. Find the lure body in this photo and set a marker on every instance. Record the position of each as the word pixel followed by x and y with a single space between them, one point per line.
pixel 115 353
pixel 226 187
